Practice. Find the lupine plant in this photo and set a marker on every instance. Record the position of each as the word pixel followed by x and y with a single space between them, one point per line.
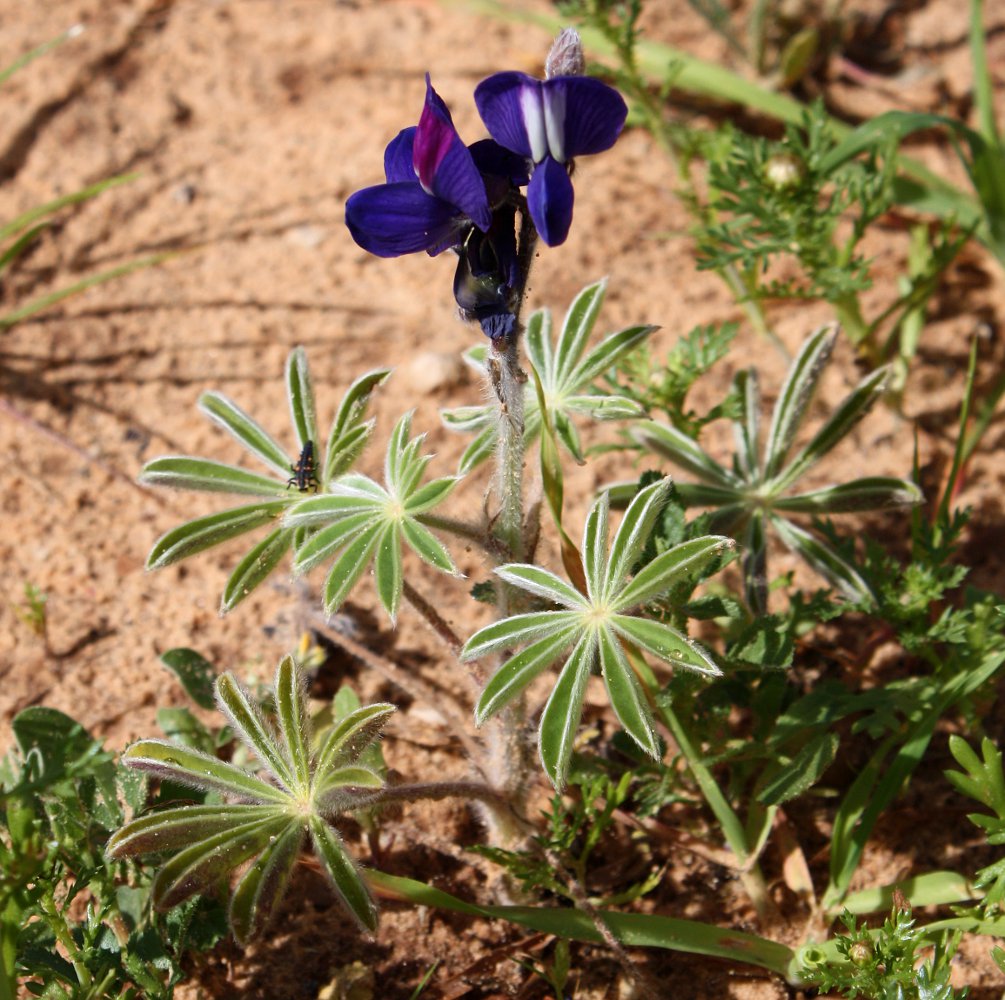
pixel 621 613
pixel 756 493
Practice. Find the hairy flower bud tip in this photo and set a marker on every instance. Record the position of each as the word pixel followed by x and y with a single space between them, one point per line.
pixel 566 56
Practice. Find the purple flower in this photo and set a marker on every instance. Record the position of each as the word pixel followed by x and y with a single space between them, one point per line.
pixel 434 191
pixel 549 123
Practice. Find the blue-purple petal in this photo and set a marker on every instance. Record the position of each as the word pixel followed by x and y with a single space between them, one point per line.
pixel 389 220
pixel 443 164
pixel 398 157
pixel 502 100
pixel 587 114
pixel 493 160
pixel 549 200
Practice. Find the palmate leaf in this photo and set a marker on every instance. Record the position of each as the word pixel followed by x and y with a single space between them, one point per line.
pixel 293 803
pixel 566 373
pixel 757 493
pixel 311 469
pixel 361 521
pixel 593 626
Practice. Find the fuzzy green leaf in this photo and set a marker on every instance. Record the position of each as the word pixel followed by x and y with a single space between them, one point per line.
pixel 349 567
pixel 519 670
pixel 245 715
pixel 300 393
pixel 294 724
pixel 632 534
pixel 682 562
pixel 626 695
pixel 542 583
pixel 205 532
pixel 794 399
pixel 870 493
pixel 516 630
pixel 825 560
pixel 349 738
pixel 430 495
pixel 561 715
pixel 670 443
pixel 666 643
pixel 245 430
pixel 608 352
pixel 199 770
pixel 840 423
pixel 343 873
pixel 387 569
pixel 802 772
pixel 255 567
pixel 182 472
pixel 576 330
pixel 427 546
pixel 261 889
pixel 323 545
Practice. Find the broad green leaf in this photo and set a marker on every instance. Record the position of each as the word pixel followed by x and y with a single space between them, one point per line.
pixel 199 770
pixel 929 889
pixel 349 567
pixel 519 670
pixel 255 567
pixel 323 545
pixel 294 724
pixel 185 473
pixel 245 714
pixel 543 583
pixel 300 393
pixel 666 643
pixel 245 430
pixel 802 772
pixel 205 532
pixel 825 560
pixel 794 399
pixel 349 738
pixel 387 569
pixel 852 409
pixel 195 673
pixel 576 330
pixel 564 709
pixel 670 443
pixel 261 889
pixel 632 534
pixel 626 695
pixel 173 829
pixel 343 874
pixel 608 352
pixel 515 631
pixel 427 546
pixel 682 562
pixel 871 493
pixel 198 868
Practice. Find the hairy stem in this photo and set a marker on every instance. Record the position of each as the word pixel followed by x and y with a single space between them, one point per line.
pixel 436 622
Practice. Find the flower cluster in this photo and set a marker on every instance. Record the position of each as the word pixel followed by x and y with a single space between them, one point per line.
pixel 440 194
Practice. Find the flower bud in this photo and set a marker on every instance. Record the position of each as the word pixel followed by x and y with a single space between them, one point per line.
pixel 860 953
pixel 783 170
pixel 566 56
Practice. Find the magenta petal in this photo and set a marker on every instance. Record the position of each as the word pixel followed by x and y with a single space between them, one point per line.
pixel 549 200
pixel 398 157
pixel 583 116
pixel 502 100
pixel 443 164
pixel 389 220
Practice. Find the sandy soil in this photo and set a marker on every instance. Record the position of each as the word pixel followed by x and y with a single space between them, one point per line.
pixel 249 123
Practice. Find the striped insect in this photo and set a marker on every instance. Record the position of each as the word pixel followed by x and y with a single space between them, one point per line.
pixel 304 477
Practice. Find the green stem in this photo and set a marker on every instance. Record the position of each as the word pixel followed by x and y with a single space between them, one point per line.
pixel 732 829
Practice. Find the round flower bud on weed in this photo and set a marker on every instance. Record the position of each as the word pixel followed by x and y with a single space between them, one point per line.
pixel 784 170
